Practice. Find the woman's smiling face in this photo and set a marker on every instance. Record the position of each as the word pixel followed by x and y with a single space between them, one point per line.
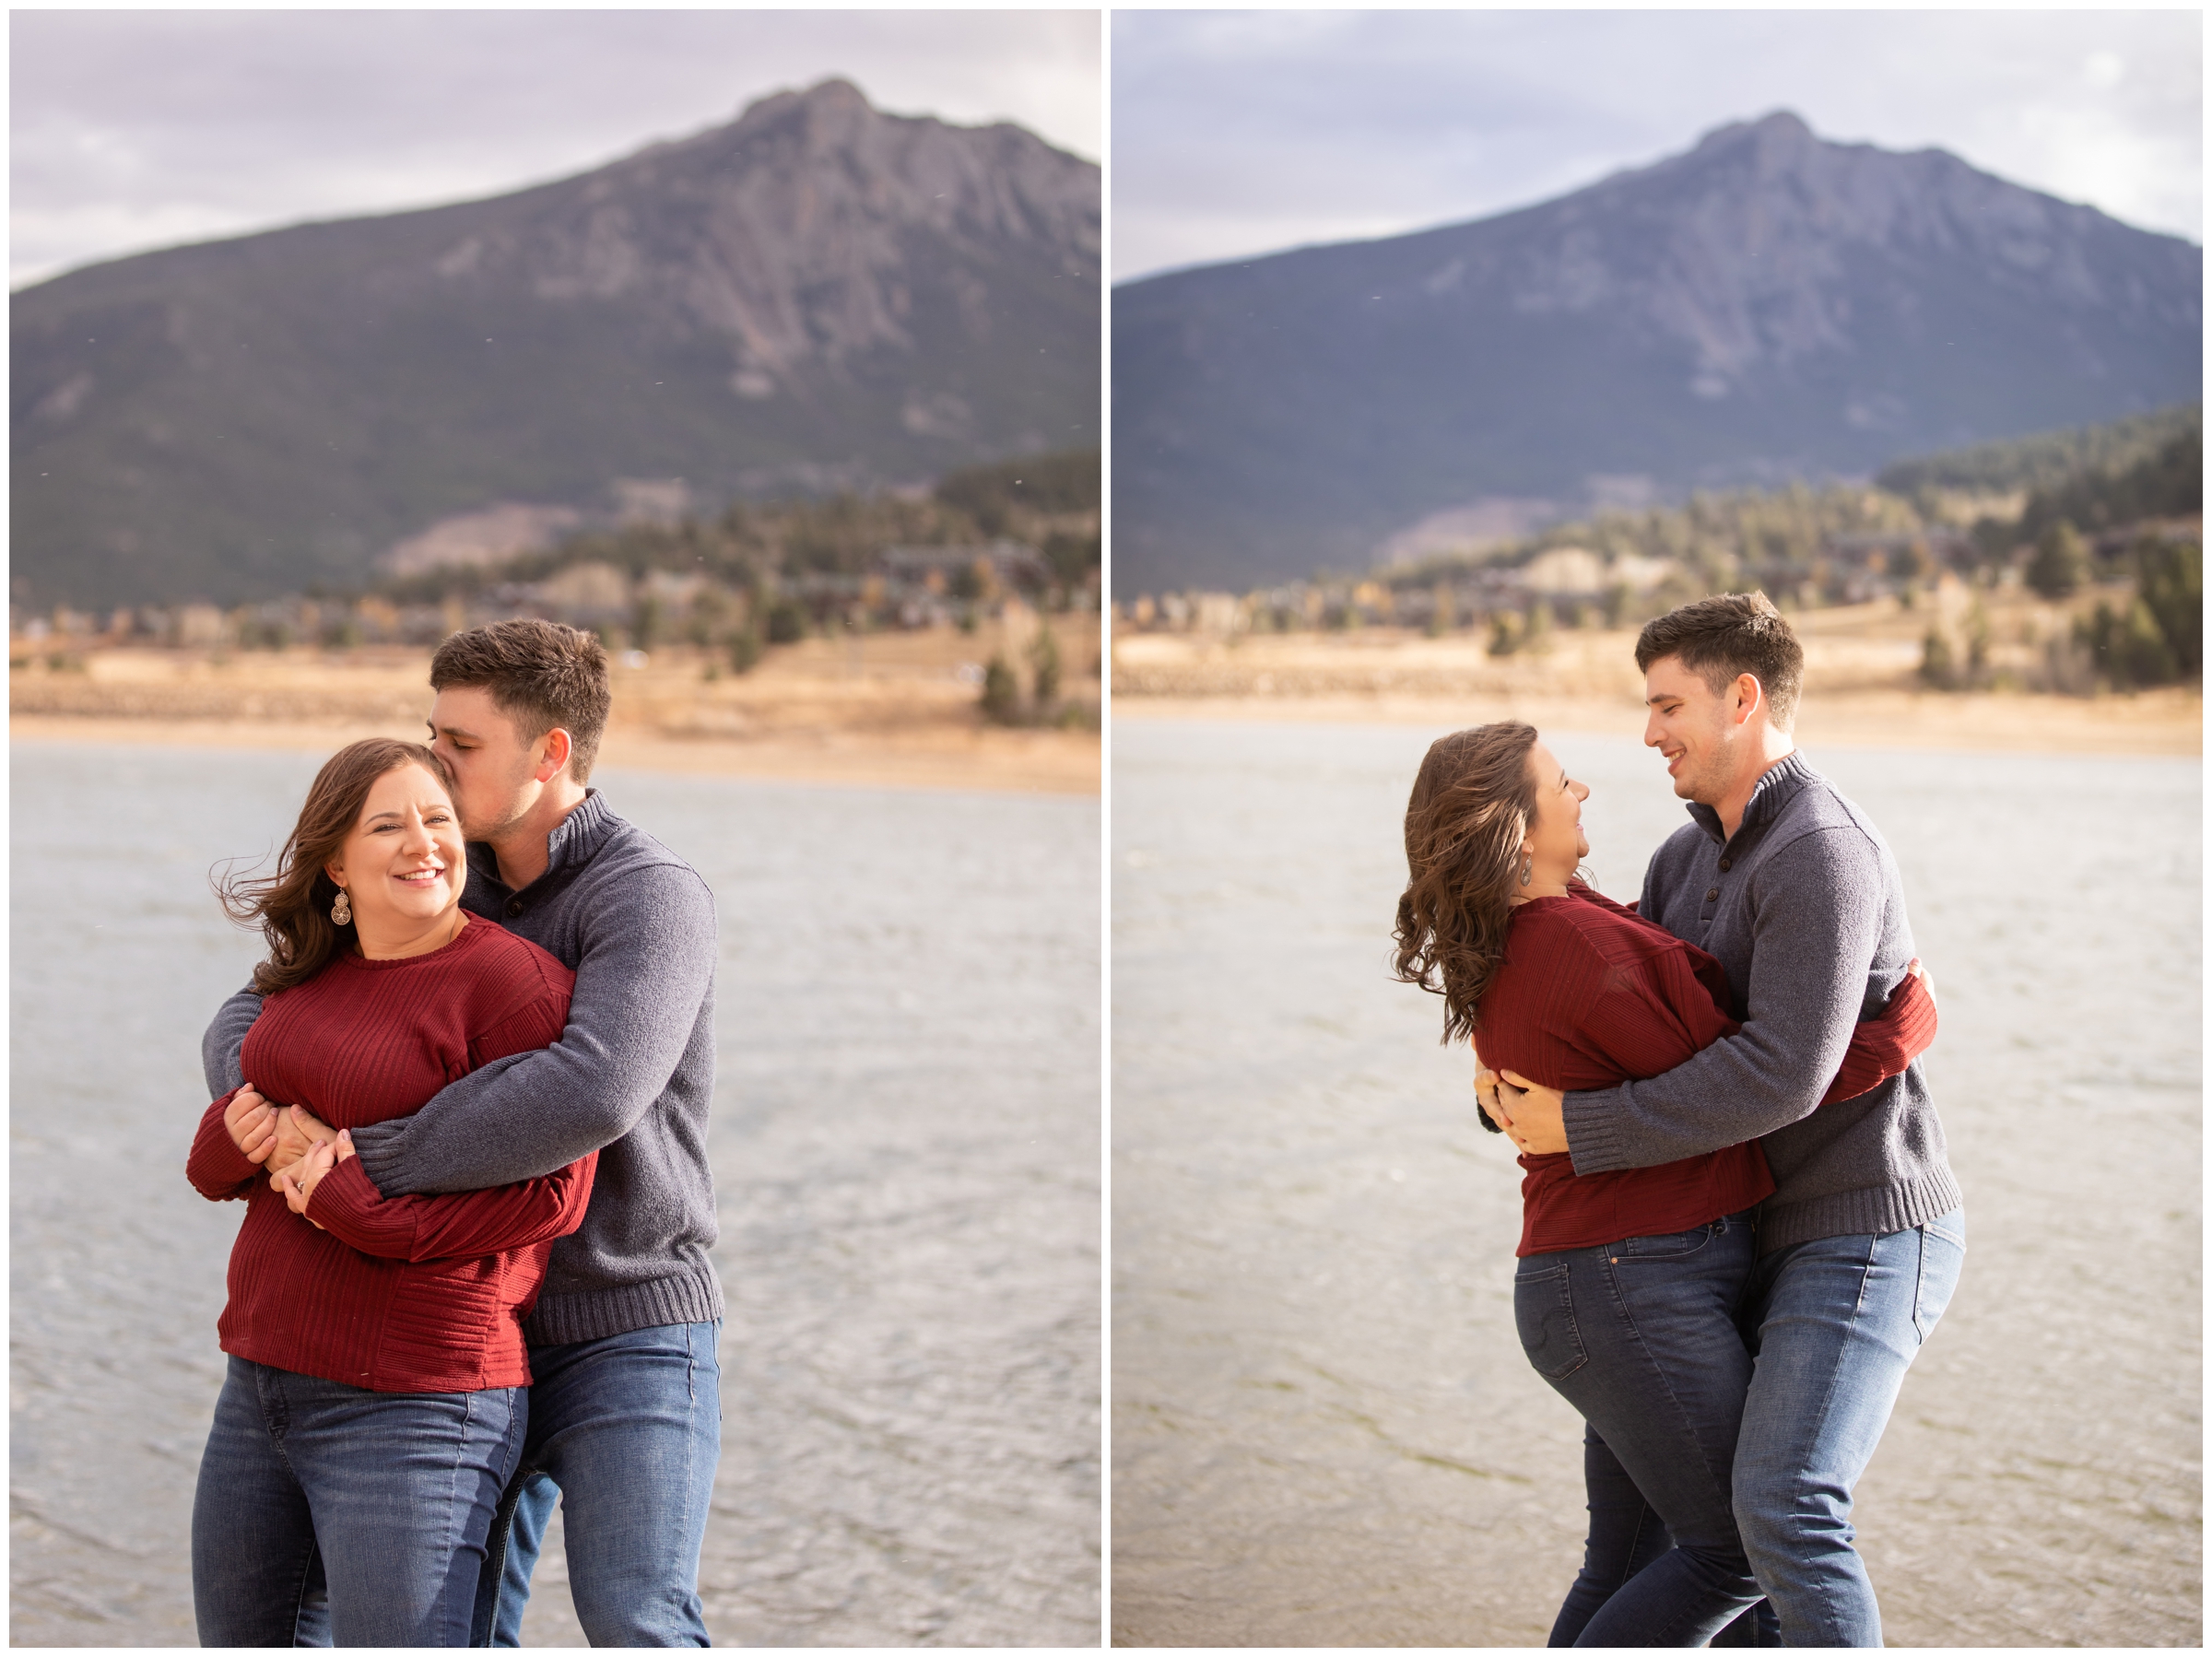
pixel 403 866
pixel 1555 829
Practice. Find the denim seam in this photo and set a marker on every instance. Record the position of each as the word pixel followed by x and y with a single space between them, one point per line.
pixel 307 1569
pixel 275 1415
pixel 1635 1542
pixel 1828 1398
pixel 453 1494
pixel 1919 1281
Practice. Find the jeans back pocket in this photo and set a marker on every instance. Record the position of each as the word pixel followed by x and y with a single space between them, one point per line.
pixel 1544 1314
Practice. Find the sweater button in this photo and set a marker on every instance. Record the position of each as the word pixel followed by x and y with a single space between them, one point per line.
pixel 1712 893
pixel 1723 866
pixel 515 906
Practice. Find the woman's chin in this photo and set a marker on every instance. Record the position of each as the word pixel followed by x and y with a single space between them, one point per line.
pixel 418 914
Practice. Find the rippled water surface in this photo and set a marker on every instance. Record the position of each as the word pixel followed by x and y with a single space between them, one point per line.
pixel 905 1153
pixel 1324 1430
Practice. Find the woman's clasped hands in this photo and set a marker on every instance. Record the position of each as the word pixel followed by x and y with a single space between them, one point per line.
pixel 308 1150
pixel 295 1146
pixel 253 1123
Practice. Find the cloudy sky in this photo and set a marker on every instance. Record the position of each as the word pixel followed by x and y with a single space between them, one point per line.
pixel 144 129
pixel 1237 133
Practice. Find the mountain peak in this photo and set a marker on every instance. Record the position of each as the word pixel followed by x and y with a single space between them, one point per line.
pixel 835 100
pixel 1775 130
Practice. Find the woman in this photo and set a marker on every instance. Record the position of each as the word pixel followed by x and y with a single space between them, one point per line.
pixel 1628 1282
pixel 378 1379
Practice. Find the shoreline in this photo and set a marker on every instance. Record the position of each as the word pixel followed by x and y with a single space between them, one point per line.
pixel 1862 682
pixel 984 760
pixel 2164 724
pixel 879 711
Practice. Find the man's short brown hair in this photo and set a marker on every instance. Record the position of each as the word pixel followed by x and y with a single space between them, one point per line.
pixel 540 674
pixel 1728 634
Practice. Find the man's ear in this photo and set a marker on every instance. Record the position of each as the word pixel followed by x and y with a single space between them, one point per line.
pixel 1750 697
pixel 553 751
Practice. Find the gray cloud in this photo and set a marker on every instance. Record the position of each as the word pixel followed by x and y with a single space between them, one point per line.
pixel 1237 133
pixel 133 130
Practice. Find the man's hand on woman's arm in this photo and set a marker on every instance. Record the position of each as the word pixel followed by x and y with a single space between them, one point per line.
pixel 1528 1113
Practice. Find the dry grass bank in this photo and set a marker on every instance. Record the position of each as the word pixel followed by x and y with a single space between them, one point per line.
pixel 1862 683
pixel 883 709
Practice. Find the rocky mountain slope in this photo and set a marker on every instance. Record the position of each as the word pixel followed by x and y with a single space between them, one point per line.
pixel 1767 306
pixel 816 296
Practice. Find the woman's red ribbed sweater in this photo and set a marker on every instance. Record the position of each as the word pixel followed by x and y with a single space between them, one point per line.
pixel 1591 996
pixel 414 1293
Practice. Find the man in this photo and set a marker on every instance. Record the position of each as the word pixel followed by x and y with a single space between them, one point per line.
pixel 625 1409
pixel 1791 888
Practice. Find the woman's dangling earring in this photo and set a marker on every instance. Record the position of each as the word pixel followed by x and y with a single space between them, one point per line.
pixel 342 911
pixel 1528 867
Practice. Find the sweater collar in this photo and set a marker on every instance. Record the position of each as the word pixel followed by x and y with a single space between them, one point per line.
pixel 1776 786
pixel 570 845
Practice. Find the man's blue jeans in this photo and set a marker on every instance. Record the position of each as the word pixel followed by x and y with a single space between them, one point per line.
pixel 385 1496
pixel 1641 1337
pixel 1834 1323
pixel 625 1433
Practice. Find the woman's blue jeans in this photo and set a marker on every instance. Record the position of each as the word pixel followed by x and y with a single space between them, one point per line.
pixel 384 1495
pixel 1641 1337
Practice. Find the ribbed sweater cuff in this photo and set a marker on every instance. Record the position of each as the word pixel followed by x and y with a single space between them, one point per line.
pixel 691 1296
pixel 346 1204
pixel 1594 1137
pixel 1875 1211
pixel 214 1165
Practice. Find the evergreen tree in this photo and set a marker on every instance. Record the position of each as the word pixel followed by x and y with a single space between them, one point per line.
pixel 2060 561
pixel 2170 575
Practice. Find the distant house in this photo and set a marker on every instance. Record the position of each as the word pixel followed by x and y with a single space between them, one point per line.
pixel 1568 570
pixel 1012 564
pixel 584 594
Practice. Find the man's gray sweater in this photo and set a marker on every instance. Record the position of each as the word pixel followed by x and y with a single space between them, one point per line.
pixel 1804 908
pixel 631 1077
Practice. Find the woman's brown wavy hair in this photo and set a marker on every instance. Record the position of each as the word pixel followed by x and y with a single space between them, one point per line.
pixel 292 906
pixel 1465 823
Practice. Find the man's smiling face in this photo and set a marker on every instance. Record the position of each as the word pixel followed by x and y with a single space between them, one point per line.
pixel 1692 726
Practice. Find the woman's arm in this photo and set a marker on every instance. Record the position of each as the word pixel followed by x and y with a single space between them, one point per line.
pixel 330 1188
pixel 219 1164
pixel 1881 1048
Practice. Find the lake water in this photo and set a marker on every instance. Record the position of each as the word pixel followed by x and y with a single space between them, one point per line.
pixel 1324 1431
pixel 906 1158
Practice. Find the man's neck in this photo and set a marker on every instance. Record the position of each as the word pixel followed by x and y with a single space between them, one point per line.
pixel 522 848
pixel 1774 747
